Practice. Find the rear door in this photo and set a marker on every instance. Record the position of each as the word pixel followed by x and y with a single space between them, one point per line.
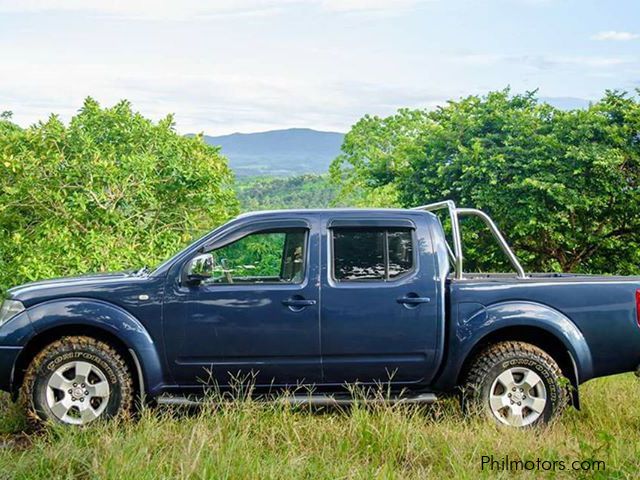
pixel 379 311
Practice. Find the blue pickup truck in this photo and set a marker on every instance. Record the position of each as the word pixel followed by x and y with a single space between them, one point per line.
pixel 319 300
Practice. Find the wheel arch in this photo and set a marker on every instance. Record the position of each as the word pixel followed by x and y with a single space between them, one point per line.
pixel 534 335
pixel 473 326
pixel 100 320
pixel 42 339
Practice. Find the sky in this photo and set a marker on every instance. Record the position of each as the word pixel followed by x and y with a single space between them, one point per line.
pixel 253 65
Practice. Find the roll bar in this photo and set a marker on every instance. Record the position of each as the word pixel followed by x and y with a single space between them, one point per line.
pixel 454 213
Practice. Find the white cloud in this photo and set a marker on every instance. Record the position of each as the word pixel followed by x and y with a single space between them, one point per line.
pixel 145 9
pixel 203 98
pixel 542 61
pixel 616 36
pixel 368 5
pixel 191 9
pixel 593 61
pixel 480 59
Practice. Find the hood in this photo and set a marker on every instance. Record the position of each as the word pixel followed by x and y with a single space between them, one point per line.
pixel 33 292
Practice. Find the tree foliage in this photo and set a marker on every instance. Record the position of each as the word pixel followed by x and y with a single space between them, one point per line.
pixel 303 191
pixel 562 185
pixel 111 190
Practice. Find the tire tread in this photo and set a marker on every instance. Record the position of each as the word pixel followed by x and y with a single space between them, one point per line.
pixel 76 342
pixel 498 352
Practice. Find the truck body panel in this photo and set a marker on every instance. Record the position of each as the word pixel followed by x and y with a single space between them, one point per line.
pixel 417 330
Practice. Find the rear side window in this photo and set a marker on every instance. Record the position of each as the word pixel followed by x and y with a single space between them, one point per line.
pixel 371 254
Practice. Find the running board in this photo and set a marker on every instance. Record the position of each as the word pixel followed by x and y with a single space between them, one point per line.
pixel 182 401
pixel 329 400
pixel 315 400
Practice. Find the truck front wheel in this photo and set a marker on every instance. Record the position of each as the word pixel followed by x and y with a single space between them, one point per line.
pixel 76 380
pixel 515 384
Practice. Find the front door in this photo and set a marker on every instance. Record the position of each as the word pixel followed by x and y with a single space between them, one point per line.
pixel 379 302
pixel 256 319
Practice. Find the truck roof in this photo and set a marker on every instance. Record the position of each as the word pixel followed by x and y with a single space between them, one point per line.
pixel 320 211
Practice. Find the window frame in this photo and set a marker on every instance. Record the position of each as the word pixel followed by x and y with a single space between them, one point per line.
pixel 372 227
pixel 271 229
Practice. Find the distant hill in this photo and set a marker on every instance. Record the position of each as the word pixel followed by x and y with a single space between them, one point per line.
pixel 293 151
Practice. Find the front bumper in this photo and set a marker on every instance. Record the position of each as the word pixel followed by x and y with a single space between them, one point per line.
pixel 8 357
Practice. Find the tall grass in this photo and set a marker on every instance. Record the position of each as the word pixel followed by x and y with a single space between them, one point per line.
pixel 247 439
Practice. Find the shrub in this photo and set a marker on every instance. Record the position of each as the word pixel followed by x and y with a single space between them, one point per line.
pixel 109 191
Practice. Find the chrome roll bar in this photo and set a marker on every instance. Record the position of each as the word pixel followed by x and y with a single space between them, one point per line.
pixel 454 213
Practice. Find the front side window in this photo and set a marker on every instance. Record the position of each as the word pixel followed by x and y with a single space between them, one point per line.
pixel 272 256
pixel 371 254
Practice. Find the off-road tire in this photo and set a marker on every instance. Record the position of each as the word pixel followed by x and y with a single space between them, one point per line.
pixel 84 349
pixel 500 357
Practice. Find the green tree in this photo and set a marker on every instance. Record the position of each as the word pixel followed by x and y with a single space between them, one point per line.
pixel 111 190
pixel 303 191
pixel 562 185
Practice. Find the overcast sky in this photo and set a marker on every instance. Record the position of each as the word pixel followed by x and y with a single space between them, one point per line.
pixel 250 65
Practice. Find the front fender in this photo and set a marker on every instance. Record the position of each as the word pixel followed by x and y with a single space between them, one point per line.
pixel 474 322
pixel 107 317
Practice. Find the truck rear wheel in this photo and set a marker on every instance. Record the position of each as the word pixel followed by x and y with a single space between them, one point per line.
pixel 76 380
pixel 515 384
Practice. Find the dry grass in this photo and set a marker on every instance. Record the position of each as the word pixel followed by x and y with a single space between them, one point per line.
pixel 253 440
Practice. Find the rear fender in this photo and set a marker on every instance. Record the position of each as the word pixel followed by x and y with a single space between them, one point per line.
pixel 474 323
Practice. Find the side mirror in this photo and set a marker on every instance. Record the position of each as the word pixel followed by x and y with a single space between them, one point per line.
pixel 200 268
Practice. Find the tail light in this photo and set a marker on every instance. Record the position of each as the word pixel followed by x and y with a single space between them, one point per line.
pixel 638 306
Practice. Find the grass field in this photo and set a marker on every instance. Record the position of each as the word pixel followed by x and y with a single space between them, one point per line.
pixel 253 440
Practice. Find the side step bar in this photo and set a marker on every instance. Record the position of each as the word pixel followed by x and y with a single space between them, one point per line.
pixel 315 400
pixel 182 401
pixel 329 400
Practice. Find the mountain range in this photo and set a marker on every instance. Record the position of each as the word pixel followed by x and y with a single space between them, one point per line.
pixel 292 151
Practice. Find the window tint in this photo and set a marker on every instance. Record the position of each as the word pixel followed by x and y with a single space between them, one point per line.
pixel 400 252
pixel 262 257
pixel 365 254
pixel 358 254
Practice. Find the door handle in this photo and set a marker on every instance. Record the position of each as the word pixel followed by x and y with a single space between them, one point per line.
pixel 298 302
pixel 413 300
